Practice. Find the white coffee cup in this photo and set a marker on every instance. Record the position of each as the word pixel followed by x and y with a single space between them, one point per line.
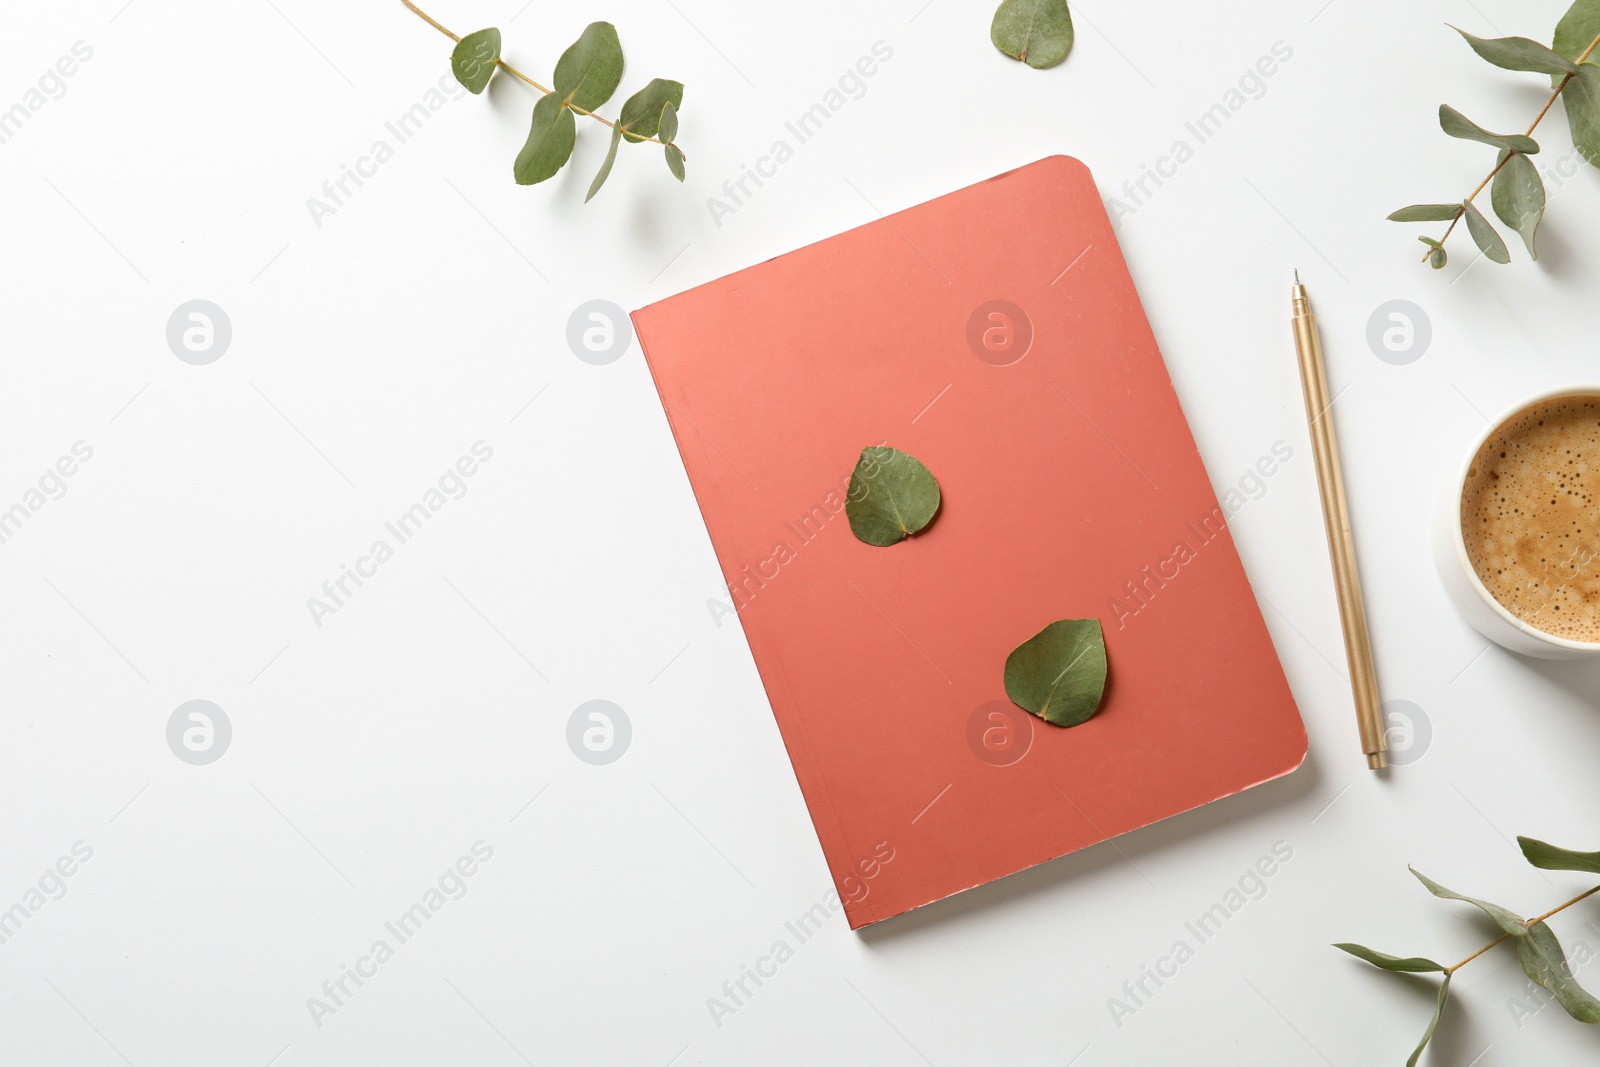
pixel 1486 614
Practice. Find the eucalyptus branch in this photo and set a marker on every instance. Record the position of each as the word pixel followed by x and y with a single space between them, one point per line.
pixel 1538 951
pixel 1502 938
pixel 585 77
pixel 1565 78
pixel 1516 188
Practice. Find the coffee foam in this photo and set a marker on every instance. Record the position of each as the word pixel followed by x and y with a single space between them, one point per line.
pixel 1530 516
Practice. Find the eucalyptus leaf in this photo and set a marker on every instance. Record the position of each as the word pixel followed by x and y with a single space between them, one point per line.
pixel 1582 99
pixel 1544 961
pixel 474 59
pixel 669 122
pixel 1507 920
pixel 1433 1024
pixel 1038 32
pixel 1427 213
pixel 1409 964
pixel 1518 197
pixel 892 495
pixel 1550 858
pixel 1578 29
pixel 1484 234
pixel 1456 124
pixel 550 141
pixel 1438 257
pixel 641 113
pixel 675 161
pixel 1519 53
pixel 1059 674
pixel 605 168
pixel 590 71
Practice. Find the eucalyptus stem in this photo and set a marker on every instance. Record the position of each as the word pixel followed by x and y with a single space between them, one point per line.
pixel 1587 52
pixel 1536 919
pixel 514 72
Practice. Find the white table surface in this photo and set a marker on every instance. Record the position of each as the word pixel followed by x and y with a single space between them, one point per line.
pixel 371 351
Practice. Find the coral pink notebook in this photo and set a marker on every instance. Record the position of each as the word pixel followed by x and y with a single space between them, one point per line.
pixel 994 334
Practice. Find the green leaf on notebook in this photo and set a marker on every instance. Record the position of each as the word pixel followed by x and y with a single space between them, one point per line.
pixel 1038 32
pixel 474 58
pixel 892 495
pixel 1059 674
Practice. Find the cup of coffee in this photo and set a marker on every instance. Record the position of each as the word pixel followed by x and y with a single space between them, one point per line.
pixel 1517 529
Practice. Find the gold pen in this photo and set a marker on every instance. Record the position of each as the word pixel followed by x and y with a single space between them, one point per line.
pixel 1336 517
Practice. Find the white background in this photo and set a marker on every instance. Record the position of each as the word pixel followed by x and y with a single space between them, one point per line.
pixel 371 351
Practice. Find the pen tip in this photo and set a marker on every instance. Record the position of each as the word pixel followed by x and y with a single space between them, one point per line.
pixel 1297 275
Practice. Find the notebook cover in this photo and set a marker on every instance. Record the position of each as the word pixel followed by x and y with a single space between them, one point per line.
pixel 1072 488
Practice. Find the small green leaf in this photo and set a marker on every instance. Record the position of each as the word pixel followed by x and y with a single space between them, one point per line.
pixel 1578 29
pixel 1410 964
pixel 1550 858
pixel 1427 213
pixel 550 141
pixel 892 495
pixel 1518 198
pixel 1059 674
pixel 1484 234
pixel 641 113
pixel 605 168
pixel 1518 53
pixel 1038 32
pixel 1433 1024
pixel 1438 257
pixel 1543 961
pixel 1507 920
pixel 1456 124
pixel 1582 99
pixel 474 58
pixel 669 130
pixel 590 71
